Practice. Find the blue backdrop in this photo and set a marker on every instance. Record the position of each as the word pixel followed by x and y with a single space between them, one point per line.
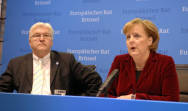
pixel 92 29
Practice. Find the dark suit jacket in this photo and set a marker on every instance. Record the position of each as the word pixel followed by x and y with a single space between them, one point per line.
pixel 157 81
pixel 66 74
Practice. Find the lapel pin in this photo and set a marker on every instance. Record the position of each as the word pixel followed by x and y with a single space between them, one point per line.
pixel 57 63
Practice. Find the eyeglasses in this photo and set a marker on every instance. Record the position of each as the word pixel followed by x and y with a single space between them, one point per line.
pixel 38 35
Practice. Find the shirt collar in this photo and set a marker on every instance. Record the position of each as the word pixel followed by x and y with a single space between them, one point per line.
pixel 45 58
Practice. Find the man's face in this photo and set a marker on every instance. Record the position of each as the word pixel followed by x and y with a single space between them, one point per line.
pixel 41 39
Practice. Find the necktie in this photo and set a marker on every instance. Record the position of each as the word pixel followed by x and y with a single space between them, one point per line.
pixel 45 86
pixel 38 79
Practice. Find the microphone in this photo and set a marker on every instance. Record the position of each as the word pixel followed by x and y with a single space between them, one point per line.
pixel 105 86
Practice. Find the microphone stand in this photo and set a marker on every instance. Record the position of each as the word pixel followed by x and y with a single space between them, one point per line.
pixel 106 85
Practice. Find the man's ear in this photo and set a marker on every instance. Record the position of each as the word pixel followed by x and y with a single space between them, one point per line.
pixel 29 41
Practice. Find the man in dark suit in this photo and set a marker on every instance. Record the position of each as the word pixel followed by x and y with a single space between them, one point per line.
pixel 47 72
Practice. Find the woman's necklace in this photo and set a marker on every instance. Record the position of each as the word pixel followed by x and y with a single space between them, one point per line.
pixel 139 68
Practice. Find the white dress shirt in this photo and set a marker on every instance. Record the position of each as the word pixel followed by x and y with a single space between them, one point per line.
pixel 45 90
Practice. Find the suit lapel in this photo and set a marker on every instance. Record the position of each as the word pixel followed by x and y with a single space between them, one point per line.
pixel 54 66
pixel 29 71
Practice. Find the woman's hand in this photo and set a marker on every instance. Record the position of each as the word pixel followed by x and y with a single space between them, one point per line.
pixel 130 96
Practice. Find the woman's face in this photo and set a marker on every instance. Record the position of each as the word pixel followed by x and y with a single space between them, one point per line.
pixel 138 41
